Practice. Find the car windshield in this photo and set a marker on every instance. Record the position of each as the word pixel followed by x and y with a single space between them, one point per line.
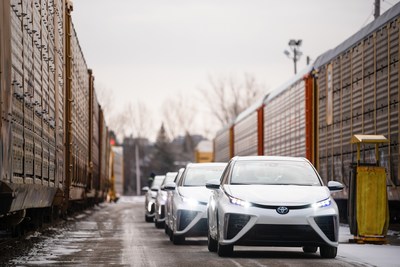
pixel 157 181
pixel 274 173
pixel 198 176
pixel 170 177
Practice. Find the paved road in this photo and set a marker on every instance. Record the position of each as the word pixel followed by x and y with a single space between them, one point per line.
pixel 116 234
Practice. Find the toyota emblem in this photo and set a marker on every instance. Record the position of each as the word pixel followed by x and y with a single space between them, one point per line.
pixel 282 210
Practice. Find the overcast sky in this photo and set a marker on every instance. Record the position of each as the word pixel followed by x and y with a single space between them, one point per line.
pixel 150 50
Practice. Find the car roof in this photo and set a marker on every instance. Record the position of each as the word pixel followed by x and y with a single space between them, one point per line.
pixel 210 164
pixel 159 177
pixel 269 158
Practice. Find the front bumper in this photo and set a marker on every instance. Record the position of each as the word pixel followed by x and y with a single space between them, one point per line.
pixel 150 208
pixel 191 222
pixel 254 226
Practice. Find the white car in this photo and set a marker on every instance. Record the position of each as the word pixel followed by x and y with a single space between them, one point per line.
pixel 190 198
pixel 272 201
pixel 161 198
pixel 150 197
pixel 168 203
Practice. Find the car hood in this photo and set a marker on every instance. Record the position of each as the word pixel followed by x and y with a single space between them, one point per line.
pixel 200 193
pixel 278 194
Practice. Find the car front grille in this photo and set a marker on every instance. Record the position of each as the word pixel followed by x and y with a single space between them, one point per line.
pixel 236 222
pixel 281 235
pixel 328 225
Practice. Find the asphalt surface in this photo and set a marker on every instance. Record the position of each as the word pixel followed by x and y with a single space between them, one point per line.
pixel 116 234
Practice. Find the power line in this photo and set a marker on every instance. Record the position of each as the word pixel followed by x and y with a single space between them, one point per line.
pixel 369 16
pixel 387 2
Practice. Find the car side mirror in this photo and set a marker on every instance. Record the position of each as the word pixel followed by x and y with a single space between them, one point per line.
pixel 170 186
pixel 335 186
pixel 145 188
pixel 213 184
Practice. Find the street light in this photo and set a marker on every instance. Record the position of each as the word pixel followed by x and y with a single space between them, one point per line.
pixel 294 46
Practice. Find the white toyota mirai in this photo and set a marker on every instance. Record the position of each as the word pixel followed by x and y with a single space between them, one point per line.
pixel 161 199
pixel 190 198
pixel 272 201
pixel 150 197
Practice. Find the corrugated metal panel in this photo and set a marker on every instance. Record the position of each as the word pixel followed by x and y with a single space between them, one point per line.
pixel 284 122
pixel 103 151
pixel 381 47
pixel 221 143
pixel 34 96
pixel 368 103
pixel 80 114
pixel 28 99
pixel 245 138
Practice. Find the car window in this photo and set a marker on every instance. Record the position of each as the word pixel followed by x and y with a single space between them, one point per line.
pixel 274 173
pixel 179 175
pixel 198 176
pixel 170 177
pixel 157 181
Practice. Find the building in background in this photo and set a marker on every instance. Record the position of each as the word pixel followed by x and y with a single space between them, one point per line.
pixel 204 151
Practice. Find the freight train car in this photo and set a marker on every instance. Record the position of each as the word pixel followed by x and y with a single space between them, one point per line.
pixel 51 130
pixel 249 130
pixel 32 106
pixel 116 188
pixel 288 116
pixel 352 89
pixel 358 93
pixel 223 145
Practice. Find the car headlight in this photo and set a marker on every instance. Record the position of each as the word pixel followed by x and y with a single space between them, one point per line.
pixel 323 203
pixel 239 202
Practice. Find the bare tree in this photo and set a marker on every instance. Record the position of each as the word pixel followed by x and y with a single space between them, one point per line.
pixel 106 100
pixel 179 114
pixel 226 97
pixel 137 119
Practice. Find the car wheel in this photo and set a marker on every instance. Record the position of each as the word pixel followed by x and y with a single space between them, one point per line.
pixel 224 250
pixel 328 252
pixel 212 243
pixel 310 249
pixel 178 239
pixel 169 231
pixel 158 224
pixel 148 219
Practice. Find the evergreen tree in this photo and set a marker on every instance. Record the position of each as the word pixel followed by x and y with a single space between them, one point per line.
pixel 163 158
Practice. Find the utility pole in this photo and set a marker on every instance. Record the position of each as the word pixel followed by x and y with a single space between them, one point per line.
pixel 377 11
pixel 138 190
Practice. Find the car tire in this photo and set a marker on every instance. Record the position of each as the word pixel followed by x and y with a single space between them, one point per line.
pixel 328 252
pixel 178 239
pixel 310 249
pixel 148 218
pixel 224 250
pixel 169 232
pixel 211 243
pixel 158 224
